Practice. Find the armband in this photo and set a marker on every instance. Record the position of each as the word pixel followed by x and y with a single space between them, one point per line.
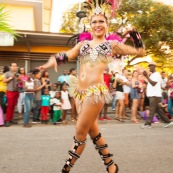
pixel 136 39
pixel 61 57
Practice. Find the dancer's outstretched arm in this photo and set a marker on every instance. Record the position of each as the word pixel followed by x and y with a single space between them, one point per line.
pixel 122 49
pixel 64 56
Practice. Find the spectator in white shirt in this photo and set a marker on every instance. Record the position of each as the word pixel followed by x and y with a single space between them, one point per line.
pixel 155 96
pixel 126 89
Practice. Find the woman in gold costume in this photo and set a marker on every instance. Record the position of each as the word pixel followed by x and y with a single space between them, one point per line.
pixel 92 93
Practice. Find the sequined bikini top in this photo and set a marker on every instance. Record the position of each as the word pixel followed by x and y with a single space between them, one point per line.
pixel 102 52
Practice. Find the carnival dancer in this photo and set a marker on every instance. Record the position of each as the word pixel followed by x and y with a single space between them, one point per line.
pixel 92 93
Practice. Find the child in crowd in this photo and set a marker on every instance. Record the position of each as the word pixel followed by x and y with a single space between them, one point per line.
pixel 45 103
pixel 29 91
pixel 165 109
pixel 45 78
pixel 57 103
pixel 37 99
pixel 52 95
pixel 145 115
pixel 65 102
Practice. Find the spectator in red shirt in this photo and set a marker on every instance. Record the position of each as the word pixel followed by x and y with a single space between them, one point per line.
pixel 107 79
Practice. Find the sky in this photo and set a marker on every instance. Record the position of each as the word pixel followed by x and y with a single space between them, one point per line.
pixel 168 2
pixel 60 6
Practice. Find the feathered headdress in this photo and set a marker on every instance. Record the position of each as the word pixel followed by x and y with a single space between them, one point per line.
pixel 104 7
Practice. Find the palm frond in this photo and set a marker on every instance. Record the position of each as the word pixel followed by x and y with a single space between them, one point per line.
pixel 4 26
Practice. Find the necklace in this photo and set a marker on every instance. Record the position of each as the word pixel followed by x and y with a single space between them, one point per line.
pixel 93 54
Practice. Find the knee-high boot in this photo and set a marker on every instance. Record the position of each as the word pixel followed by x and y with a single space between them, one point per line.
pixel 104 157
pixel 72 155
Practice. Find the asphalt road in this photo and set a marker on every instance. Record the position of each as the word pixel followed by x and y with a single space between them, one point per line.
pixel 43 149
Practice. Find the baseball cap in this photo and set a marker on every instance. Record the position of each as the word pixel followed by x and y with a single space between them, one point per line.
pixel 152 63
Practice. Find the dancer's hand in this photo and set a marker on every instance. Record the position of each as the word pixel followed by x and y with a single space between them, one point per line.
pixel 127 30
pixel 50 63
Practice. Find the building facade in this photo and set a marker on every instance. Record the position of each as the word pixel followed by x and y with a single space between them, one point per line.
pixel 32 20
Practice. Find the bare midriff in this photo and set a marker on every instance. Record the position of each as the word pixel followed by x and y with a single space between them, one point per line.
pixel 91 73
pixel 93 61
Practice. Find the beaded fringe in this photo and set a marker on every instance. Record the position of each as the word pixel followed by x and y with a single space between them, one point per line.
pixel 93 94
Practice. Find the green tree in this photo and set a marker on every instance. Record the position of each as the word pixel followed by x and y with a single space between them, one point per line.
pixel 153 20
pixel 70 21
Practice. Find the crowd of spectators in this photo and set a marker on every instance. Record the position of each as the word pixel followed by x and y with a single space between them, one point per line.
pixel 40 100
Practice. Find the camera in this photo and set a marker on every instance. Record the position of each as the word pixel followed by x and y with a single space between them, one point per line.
pixel 17 74
pixel 47 81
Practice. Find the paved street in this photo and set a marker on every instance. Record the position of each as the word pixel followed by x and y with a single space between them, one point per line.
pixel 42 149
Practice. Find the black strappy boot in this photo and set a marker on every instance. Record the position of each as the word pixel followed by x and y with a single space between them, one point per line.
pixel 72 154
pixel 104 157
pixel 111 163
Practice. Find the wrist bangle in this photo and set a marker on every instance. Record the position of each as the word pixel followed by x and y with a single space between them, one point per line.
pixel 136 39
pixel 61 57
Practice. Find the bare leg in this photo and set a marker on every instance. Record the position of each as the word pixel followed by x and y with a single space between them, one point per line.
pixel 73 109
pixel 141 103
pixel 117 110
pixel 100 115
pixel 121 108
pixel 64 114
pixel 93 132
pixel 105 110
pixel 86 119
pixel 125 115
pixel 134 110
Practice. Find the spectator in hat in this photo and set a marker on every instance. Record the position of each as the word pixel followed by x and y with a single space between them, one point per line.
pixel 155 96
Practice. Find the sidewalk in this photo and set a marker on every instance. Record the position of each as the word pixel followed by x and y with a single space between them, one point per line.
pixel 110 114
